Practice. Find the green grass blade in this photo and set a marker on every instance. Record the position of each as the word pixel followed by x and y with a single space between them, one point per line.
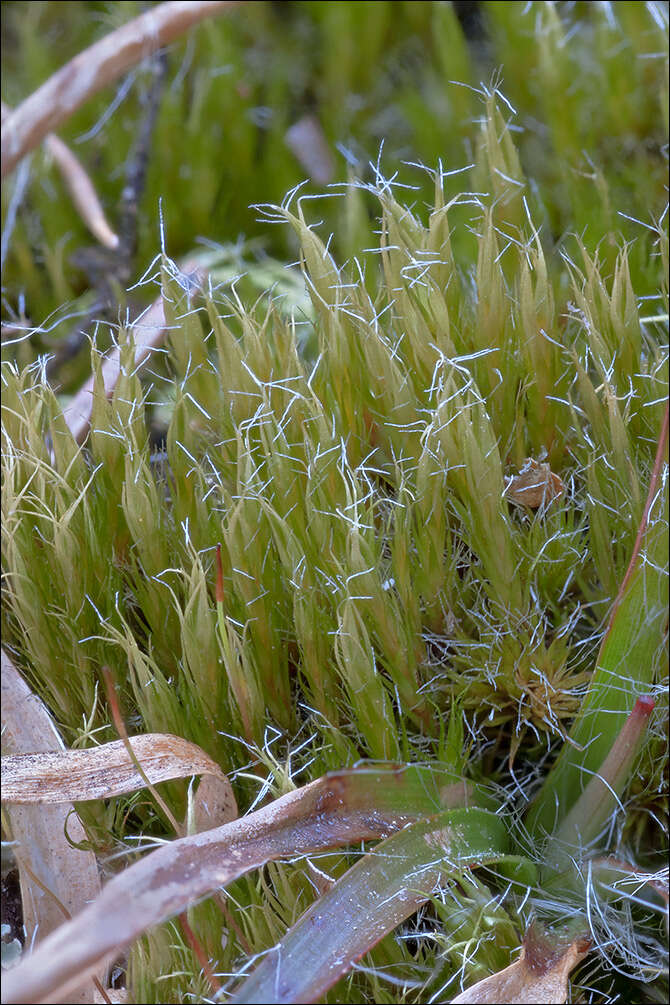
pixel 590 814
pixel 340 809
pixel 372 898
pixel 625 669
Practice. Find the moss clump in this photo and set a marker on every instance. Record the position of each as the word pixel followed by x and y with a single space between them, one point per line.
pixel 351 440
pixel 353 462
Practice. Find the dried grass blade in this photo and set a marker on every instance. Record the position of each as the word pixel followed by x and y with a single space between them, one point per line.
pixel 46 860
pixel 82 191
pixel 306 140
pixel 339 809
pixel 105 771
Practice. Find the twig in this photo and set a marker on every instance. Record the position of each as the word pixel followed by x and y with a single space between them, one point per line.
pixel 79 185
pixel 66 90
pixel 136 168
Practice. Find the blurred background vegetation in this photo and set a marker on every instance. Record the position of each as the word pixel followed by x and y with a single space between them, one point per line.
pixel 588 82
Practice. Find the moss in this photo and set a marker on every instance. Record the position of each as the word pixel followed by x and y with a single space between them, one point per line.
pixel 349 437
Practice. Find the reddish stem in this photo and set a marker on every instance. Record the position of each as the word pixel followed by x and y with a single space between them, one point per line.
pixel 219 576
pixel 198 951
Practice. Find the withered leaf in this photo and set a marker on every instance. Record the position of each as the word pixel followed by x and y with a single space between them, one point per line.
pixel 538 977
pixel 534 486
pixel 55 877
pixel 105 771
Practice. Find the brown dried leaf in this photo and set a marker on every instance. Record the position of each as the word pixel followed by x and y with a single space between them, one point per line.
pixel 214 803
pixel 102 772
pixel 42 852
pixel 341 808
pixel 534 486
pixel 539 976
